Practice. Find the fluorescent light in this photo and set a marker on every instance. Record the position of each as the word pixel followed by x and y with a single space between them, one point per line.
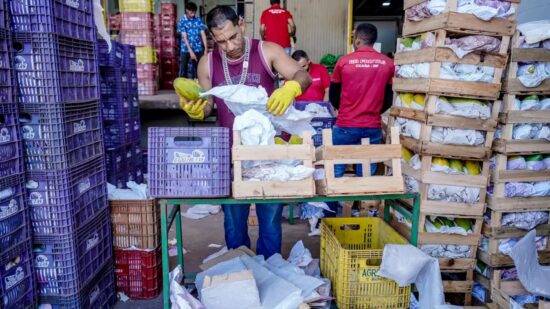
pixel 387 3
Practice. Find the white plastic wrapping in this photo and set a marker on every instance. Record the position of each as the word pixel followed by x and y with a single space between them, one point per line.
pixel 535 31
pixel 456 194
pixel 533 74
pixel 486 10
pixel 179 296
pixel 467 72
pixel 414 70
pixel 241 98
pixel 534 277
pixel 525 220
pixel 447 251
pixel 468 108
pixel 452 136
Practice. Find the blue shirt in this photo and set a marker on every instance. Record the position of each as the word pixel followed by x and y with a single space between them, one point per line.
pixel 193 28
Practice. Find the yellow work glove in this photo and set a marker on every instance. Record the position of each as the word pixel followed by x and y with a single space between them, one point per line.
pixel 281 98
pixel 295 140
pixel 195 110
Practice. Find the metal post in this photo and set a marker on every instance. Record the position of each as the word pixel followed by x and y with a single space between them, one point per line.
pixel 179 237
pixel 415 218
pixel 165 256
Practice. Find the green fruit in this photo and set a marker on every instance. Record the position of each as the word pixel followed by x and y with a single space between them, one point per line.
pixel 473 168
pixel 456 165
pixel 407 42
pixel 534 158
pixel 466 224
pixel 440 161
pixel 531 97
pixel 187 88
pixel 448 222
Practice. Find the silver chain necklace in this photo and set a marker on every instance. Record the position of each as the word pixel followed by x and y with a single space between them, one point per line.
pixel 244 73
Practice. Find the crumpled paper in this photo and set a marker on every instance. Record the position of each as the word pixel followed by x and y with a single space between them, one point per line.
pixel 525 220
pixel 201 211
pixel 134 192
pixel 241 98
pixel 179 296
pixel 446 251
pixel 452 136
pixel 468 108
pixel 467 72
pixel 533 74
pixel 535 31
pixel 471 43
pixel 486 9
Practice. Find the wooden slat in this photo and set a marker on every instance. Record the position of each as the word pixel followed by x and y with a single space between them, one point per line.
pixel 503 232
pixel 358 152
pixel 444 54
pixel 524 117
pixel 408 113
pixel 457 286
pixel 376 185
pixel 273 189
pixel 501 260
pixel 456 151
pixel 514 86
pixel 448 208
pixel 436 86
pixel 462 122
pixel 520 176
pixel 530 54
pixel 521 146
pixel 518 203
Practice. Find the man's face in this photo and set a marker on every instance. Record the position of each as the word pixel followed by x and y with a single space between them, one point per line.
pixel 230 39
pixel 304 63
pixel 190 14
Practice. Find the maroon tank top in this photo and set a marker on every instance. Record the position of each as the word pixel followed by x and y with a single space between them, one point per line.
pixel 259 74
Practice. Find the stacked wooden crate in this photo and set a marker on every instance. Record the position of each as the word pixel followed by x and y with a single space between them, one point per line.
pixel 435 110
pixel 519 178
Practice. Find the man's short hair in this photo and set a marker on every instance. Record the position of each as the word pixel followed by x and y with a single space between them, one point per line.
pixel 191 6
pixel 367 33
pixel 275 2
pixel 299 54
pixel 220 14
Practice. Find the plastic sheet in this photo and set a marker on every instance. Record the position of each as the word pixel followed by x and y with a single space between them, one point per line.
pixel 534 277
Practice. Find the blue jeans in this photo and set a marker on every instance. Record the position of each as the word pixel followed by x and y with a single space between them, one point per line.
pixel 269 221
pixel 352 136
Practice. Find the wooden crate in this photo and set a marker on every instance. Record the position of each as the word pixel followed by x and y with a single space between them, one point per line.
pixel 459 290
pixel 452 20
pixel 510 117
pixel 501 175
pixel 425 238
pixel 495 229
pixel 494 258
pixel 494 281
pixel 440 53
pixel 502 301
pixel 328 155
pixel 511 84
pixel 271 189
pixel 424 146
pixel 447 87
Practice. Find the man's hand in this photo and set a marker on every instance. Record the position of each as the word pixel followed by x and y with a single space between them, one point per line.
pixel 195 110
pixel 193 56
pixel 281 98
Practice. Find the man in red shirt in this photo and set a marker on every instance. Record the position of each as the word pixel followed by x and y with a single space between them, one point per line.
pixel 361 90
pixel 318 91
pixel 277 25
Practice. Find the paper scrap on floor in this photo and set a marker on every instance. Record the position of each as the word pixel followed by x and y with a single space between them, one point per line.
pixel 200 211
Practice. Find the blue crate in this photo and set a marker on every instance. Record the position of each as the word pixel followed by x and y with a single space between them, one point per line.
pixel 54 69
pixel 57 137
pixel 99 293
pixel 14 217
pixel 61 201
pixel 11 152
pixel 66 263
pixel 17 277
pixel 7 78
pixel 319 123
pixel 110 57
pixel 130 57
pixel 117 133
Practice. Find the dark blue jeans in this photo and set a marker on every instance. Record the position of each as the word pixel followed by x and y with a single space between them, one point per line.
pixel 352 136
pixel 269 221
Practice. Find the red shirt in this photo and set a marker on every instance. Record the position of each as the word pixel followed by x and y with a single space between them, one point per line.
pixel 321 81
pixel 275 20
pixel 364 75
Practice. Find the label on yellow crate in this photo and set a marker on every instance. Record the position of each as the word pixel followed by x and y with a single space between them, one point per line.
pixel 367 273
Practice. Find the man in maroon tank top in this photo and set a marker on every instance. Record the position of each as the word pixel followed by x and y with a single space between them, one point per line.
pixel 240 60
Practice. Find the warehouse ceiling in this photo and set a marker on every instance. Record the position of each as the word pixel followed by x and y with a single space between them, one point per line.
pixel 378 7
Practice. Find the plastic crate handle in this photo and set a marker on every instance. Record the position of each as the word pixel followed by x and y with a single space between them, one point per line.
pixel 180 141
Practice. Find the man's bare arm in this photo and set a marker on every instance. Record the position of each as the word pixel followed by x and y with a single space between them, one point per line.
pixel 292 27
pixel 262 31
pixel 285 65
pixel 203 73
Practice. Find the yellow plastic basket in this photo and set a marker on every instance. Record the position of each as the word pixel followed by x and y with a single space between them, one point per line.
pixel 136 6
pixel 351 253
pixel 146 54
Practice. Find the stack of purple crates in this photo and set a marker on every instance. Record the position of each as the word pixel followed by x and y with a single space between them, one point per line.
pixel 57 74
pixel 17 289
pixel 121 118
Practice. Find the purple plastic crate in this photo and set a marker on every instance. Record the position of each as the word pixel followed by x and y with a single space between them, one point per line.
pixel 17 277
pixel 70 18
pixel 136 130
pixel 118 179
pixel 116 108
pixel 112 57
pixel 65 263
pixel 14 218
pixel 117 133
pixel 60 136
pixel 7 81
pixel 134 105
pixel 62 201
pixel 113 82
pixel 11 154
pixel 132 81
pixel 115 159
pixel 53 69
pixel 129 58
pixel 99 293
pixel 319 123
pixel 189 162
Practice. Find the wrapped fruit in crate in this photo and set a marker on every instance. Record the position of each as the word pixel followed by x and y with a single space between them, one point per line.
pixel 53 69
pixel 66 263
pixel 16 277
pixel 72 19
pixel 99 293
pixel 138 272
pixel 190 162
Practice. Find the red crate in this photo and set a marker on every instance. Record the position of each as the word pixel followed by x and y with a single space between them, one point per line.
pixel 136 37
pixel 168 30
pixel 168 53
pixel 146 71
pixel 136 21
pixel 167 84
pixel 167 63
pixel 138 273
pixel 168 8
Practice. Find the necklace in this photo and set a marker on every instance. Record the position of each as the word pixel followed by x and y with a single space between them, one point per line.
pixel 244 72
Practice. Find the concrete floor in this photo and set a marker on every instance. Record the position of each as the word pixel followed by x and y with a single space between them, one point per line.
pixel 198 234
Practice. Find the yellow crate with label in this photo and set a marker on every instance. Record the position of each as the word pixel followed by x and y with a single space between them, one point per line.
pixel 136 6
pixel 351 253
pixel 146 54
